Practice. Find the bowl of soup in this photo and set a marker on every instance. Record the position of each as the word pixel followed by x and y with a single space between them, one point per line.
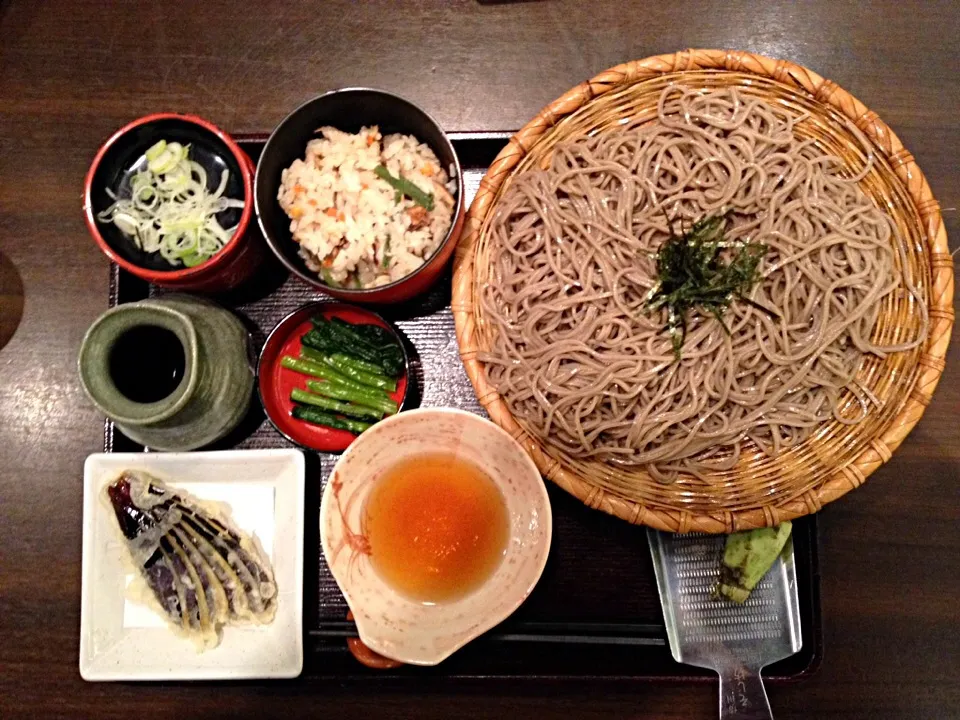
pixel 436 526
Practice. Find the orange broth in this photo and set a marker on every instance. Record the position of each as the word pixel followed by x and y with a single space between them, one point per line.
pixel 437 527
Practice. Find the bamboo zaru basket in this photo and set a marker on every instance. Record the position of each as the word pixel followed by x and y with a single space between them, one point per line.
pixel 760 490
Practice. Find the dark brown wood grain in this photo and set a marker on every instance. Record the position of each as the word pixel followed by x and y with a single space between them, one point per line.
pixel 71 72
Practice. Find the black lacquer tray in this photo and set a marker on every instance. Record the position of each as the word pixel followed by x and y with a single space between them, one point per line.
pixel 595 615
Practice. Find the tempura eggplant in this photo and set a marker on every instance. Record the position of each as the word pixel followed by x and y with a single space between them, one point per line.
pixel 201 572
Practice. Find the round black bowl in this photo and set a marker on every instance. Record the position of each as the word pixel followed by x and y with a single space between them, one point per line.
pixel 350 109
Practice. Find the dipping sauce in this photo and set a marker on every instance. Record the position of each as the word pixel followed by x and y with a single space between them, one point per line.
pixel 437 527
pixel 147 363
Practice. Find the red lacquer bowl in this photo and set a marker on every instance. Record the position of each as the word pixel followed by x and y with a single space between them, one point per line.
pixel 275 382
pixel 123 155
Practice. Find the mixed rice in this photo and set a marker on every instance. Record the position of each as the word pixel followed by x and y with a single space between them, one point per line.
pixel 354 227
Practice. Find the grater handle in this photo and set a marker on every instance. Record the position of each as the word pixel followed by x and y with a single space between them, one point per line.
pixel 742 695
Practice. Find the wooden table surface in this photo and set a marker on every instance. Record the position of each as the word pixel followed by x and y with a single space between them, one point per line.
pixel 72 72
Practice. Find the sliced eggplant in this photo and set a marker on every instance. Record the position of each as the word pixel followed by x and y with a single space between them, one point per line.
pixel 202 572
pixel 251 568
pixel 214 591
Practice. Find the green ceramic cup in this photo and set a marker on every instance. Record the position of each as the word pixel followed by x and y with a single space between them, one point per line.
pixel 217 381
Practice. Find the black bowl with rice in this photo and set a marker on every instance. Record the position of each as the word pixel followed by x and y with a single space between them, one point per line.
pixel 359 192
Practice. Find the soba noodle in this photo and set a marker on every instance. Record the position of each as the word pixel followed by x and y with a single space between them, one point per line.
pixel 583 365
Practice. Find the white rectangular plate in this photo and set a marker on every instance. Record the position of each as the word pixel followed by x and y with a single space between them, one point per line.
pixel 122 640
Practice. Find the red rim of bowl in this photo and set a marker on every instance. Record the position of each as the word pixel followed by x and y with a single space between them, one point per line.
pixel 340 439
pixel 221 257
pixel 358 294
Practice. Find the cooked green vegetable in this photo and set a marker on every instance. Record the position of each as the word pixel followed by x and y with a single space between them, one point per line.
pixel 322 370
pixel 373 335
pixel 370 343
pixel 327 338
pixel 319 417
pixel 370 397
pixel 385 263
pixel 319 339
pixel 343 364
pixel 309 353
pixel 747 557
pixel 327 277
pixel 380 340
pixel 312 354
pixel 693 271
pixel 343 408
pixel 402 185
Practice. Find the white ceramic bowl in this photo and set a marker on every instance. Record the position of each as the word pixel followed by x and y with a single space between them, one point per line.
pixel 388 622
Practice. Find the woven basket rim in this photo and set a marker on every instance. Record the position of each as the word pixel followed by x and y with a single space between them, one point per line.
pixel 800 80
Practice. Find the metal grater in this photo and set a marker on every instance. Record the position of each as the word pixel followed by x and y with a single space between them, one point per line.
pixel 734 640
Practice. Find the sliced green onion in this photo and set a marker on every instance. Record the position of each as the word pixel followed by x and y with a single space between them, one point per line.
pixel 126 223
pixel 164 162
pixel 156 150
pixel 170 210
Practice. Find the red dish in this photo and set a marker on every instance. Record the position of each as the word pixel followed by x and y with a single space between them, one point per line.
pixel 275 382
